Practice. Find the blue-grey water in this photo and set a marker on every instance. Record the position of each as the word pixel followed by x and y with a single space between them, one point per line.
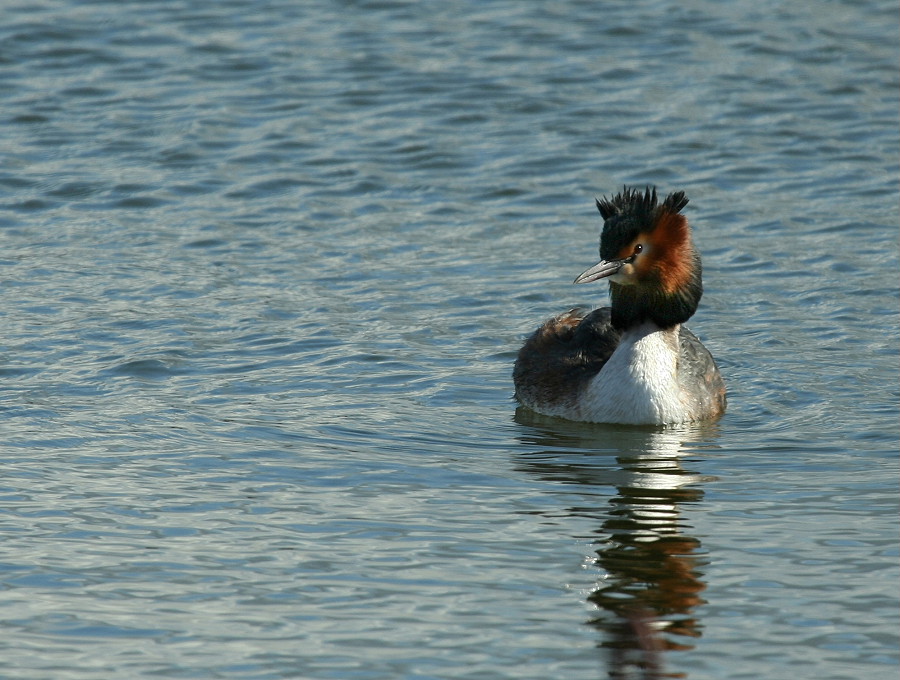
pixel 265 268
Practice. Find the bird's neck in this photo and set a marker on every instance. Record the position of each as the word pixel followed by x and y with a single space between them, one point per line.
pixel 633 305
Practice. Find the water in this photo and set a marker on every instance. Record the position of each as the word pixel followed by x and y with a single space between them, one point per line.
pixel 265 268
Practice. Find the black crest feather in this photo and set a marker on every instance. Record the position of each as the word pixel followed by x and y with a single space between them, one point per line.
pixel 675 201
pixel 637 202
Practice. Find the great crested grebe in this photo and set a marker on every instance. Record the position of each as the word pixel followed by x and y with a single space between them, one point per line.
pixel 632 362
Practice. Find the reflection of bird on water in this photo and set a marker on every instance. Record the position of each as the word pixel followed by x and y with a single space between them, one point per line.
pixel 635 646
pixel 653 583
pixel 652 580
pixel 650 565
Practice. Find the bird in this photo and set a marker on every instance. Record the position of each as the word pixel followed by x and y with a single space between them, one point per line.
pixel 633 362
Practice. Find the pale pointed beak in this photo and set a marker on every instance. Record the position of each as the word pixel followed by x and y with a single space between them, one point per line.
pixel 600 270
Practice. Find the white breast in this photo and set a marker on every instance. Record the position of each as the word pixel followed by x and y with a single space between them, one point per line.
pixel 638 385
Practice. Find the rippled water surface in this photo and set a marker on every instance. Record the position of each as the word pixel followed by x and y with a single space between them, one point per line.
pixel 265 268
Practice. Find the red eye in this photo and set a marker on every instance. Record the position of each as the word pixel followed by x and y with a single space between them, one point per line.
pixel 638 248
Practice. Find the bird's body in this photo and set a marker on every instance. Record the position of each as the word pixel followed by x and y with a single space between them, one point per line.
pixel 633 362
